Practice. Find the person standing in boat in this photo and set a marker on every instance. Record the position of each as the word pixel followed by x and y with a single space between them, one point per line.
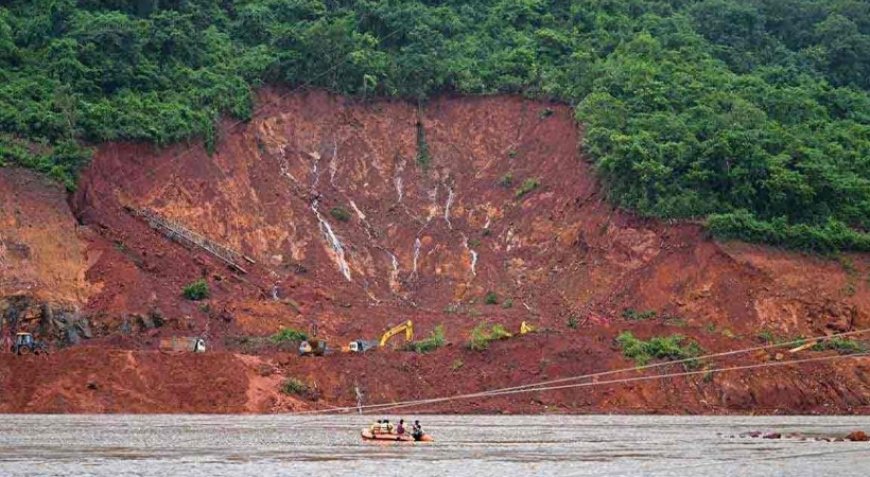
pixel 417 431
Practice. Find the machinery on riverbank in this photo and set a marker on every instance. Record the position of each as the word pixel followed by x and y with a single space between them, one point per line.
pixel 189 344
pixel 361 346
pixel 25 343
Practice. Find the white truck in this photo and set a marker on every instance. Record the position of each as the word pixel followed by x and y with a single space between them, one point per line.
pixel 183 344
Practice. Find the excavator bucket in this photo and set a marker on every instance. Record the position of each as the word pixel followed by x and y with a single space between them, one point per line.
pixel 526 328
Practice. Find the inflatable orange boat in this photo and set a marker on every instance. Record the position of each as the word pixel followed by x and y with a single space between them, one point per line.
pixel 391 437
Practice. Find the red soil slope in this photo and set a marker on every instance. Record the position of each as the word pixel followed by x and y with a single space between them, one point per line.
pixel 364 215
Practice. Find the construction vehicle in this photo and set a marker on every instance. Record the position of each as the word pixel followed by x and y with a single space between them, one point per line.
pixel 24 343
pixel 526 328
pixel 407 327
pixel 183 343
pixel 312 347
pixel 360 346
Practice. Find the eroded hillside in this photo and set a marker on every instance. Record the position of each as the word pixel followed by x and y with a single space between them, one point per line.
pixel 356 216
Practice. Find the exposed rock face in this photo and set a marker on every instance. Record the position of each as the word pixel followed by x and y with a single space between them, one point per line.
pixel 357 216
pixel 43 252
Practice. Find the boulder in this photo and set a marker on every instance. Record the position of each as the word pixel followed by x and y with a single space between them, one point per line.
pixel 145 322
pixel 72 336
pixel 772 435
pixel 126 328
pixel 85 328
pixel 858 436
pixel 156 317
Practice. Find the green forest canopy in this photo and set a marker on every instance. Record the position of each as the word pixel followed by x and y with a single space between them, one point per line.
pixel 753 114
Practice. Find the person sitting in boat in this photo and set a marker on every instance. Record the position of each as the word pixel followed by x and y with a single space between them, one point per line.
pixel 417 431
pixel 376 427
pixel 400 430
pixel 388 426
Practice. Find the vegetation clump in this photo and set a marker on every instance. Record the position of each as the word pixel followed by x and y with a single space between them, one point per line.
pixel 506 180
pixel 294 387
pixel 766 336
pixel 288 335
pixel 434 341
pixel 659 347
pixel 527 186
pixel 197 290
pixel 340 213
pixel 840 345
pixel 482 335
pixel 634 315
pixel 491 298
pixel 573 321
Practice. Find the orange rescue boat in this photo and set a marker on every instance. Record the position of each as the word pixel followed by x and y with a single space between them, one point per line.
pixel 393 437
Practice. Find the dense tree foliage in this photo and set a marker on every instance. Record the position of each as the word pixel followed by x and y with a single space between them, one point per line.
pixel 753 113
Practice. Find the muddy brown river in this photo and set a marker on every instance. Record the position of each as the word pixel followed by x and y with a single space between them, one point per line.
pixel 205 445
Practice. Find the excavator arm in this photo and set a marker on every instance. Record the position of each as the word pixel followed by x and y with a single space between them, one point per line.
pixel 407 327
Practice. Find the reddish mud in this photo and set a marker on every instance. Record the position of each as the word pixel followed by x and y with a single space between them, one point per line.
pixel 360 216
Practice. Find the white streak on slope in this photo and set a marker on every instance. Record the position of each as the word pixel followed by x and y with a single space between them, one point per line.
pixel 334 242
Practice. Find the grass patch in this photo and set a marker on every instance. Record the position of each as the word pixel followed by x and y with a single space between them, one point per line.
pixel 434 341
pixel 659 347
pixel 634 315
pixel 340 213
pixel 456 365
pixel 573 321
pixel 196 291
pixel 294 387
pixel 507 304
pixel 766 336
pixel 287 335
pixel 840 345
pixel 481 336
pixel 769 337
pixel 506 180
pixel 527 186
pixel 491 298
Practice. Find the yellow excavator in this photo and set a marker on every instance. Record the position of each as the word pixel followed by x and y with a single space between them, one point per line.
pixel 526 328
pixel 361 346
pixel 407 327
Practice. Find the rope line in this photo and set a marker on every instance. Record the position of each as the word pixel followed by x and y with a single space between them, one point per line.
pixel 635 379
pixel 499 391
pixel 689 360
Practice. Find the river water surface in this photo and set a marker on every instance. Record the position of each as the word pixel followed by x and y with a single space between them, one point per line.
pixel 480 446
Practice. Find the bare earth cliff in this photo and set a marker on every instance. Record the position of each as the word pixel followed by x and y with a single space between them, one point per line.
pixel 354 217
